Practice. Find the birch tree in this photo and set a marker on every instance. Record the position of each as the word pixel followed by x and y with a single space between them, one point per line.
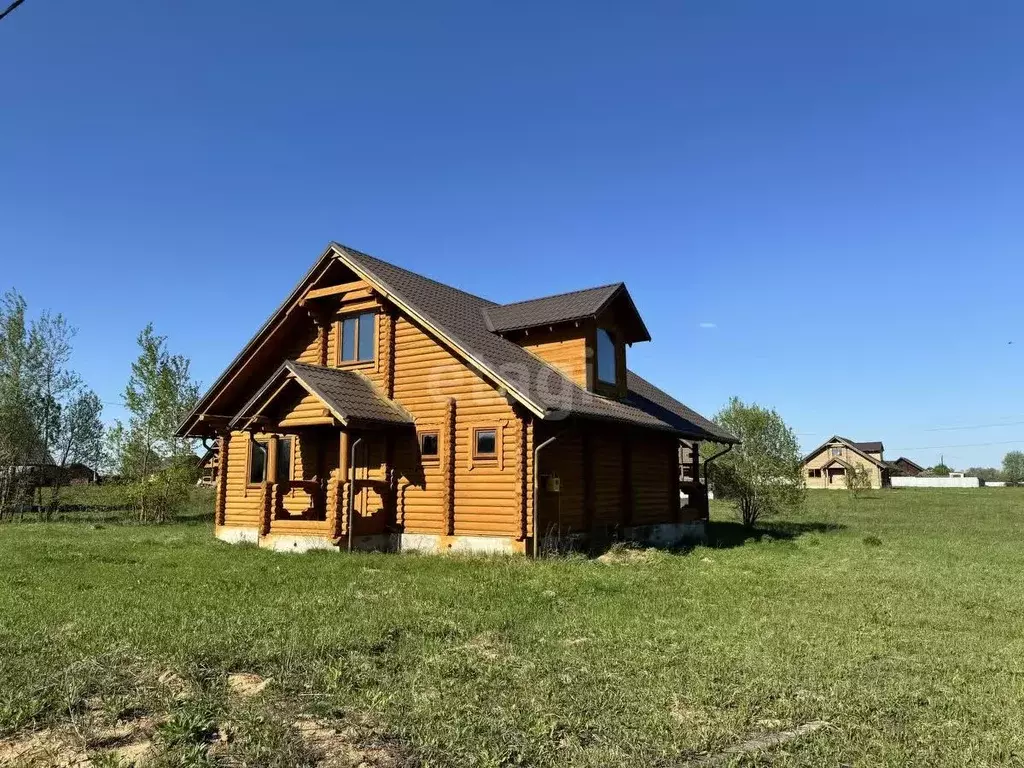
pixel 160 392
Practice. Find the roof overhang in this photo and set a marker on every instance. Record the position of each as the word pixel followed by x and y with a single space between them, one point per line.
pixel 352 400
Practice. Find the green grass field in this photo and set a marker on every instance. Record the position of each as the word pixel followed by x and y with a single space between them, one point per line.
pixel 897 618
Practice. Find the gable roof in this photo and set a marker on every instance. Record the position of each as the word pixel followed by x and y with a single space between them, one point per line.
pixel 850 444
pixel 349 395
pixel 460 320
pixel 905 460
pixel 563 308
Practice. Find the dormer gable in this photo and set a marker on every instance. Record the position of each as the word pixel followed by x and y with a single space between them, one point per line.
pixel 582 333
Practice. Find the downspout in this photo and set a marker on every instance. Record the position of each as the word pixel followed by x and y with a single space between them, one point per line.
pixel 351 488
pixel 711 458
pixel 536 483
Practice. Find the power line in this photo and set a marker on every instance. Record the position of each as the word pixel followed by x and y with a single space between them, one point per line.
pixel 961 445
pixel 974 426
pixel 10 8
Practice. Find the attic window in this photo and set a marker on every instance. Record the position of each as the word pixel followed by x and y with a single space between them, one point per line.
pixel 359 338
pixel 606 364
pixel 837 451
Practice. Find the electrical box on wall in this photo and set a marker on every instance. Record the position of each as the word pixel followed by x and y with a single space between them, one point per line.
pixel 553 484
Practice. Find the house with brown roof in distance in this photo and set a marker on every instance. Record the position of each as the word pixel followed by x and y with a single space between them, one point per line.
pixel 380 408
pixel 904 467
pixel 827 465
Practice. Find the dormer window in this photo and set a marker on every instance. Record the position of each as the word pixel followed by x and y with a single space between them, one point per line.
pixel 607 369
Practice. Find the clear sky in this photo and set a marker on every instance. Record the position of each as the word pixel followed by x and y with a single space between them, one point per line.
pixel 816 206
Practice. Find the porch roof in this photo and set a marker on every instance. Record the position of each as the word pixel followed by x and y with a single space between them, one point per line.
pixel 349 395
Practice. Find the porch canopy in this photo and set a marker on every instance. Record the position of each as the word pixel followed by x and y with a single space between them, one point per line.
pixel 298 394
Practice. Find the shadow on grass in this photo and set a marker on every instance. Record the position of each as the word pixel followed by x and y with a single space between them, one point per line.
pixel 724 534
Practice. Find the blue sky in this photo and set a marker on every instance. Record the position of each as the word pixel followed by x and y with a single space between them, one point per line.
pixel 818 207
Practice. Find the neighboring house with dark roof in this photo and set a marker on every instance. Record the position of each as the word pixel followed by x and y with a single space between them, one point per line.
pixel 377 407
pixel 827 465
pixel 904 467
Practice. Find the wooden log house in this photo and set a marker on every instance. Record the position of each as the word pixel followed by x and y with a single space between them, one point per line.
pixel 379 408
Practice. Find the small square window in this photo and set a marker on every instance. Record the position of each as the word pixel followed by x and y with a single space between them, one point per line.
pixel 428 445
pixel 837 451
pixel 485 442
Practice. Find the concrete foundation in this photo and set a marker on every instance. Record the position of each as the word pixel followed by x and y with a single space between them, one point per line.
pixel 238 535
pixel 482 545
pixel 663 535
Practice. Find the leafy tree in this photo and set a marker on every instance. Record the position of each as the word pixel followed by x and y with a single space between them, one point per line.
pixel 858 480
pixel 47 416
pixel 987 474
pixel 160 392
pixel 940 470
pixel 1013 468
pixel 763 475
pixel 78 437
pixel 18 435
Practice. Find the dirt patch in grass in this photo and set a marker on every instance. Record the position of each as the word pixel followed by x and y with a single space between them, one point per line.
pixel 246 684
pixel 198 723
pixel 337 746
pixel 77 745
pixel 625 554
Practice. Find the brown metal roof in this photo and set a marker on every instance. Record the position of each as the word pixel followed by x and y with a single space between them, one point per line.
pixel 563 308
pixel 874 446
pixel 349 395
pixel 461 317
pixel 461 320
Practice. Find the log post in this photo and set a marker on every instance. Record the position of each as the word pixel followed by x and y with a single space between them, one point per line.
pixel 448 469
pixel 266 506
pixel 388 357
pixel 220 507
pixel 520 487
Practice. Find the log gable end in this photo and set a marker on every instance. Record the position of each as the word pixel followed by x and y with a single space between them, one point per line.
pixel 398 422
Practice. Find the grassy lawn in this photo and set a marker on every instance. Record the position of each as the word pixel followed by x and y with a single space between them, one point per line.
pixel 897 618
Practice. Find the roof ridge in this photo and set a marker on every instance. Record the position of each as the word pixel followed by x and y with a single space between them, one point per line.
pixel 447 286
pixel 560 295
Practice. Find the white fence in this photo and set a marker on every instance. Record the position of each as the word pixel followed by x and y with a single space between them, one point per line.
pixel 935 482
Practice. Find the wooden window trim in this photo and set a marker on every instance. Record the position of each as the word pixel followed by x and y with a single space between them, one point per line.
pixel 427 459
pixel 265 442
pixel 347 312
pixel 486 459
pixel 270 465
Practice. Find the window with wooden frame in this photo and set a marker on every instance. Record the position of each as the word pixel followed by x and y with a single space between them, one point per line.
pixel 837 451
pixel 430 446
pixel 607 364
pixel 358 338
pixel 259 461
pixel 814 473
pixel 485 443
